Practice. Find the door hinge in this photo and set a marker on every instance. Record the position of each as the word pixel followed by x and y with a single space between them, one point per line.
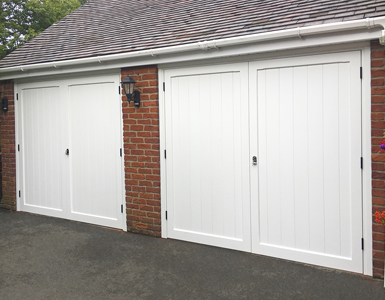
pixel 18 147
pixel 362 163
pixel 19 193
pixel 165 155
pixel 17 96
pixel 166 214
pixel 121 208
pixel 164 86
pixel 120 152
pixel 362 243
pixel 361 72
pixel 119 90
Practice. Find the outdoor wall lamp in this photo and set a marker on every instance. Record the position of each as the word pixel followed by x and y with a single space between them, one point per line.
pixel 4 103
pixel 128 87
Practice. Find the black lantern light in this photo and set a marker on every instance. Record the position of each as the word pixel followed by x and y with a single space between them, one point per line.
pixel 4 103
pixel 128 87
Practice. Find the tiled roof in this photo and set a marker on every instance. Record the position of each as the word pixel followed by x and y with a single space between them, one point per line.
pixel 102 27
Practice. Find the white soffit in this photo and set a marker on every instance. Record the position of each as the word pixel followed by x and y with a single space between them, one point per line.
pixel 304 37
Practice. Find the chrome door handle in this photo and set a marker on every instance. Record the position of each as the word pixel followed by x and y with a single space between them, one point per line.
pixel 254 160
pixel 67 152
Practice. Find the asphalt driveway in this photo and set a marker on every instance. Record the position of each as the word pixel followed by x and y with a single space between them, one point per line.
pixel 48 258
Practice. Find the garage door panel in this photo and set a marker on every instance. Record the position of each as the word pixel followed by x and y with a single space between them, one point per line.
pixel 195 191
pixel 94 150
pixel 309 196
pixel 349 164
pixel 204 139
pixel 331 153
pixel 286 162
pixel 312 141
pixel 43 149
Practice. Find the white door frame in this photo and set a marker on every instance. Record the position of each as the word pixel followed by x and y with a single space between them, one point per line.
pixel 366 142
pixel 366 130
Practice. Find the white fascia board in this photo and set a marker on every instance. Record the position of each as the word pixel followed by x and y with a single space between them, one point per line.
pixel 311 36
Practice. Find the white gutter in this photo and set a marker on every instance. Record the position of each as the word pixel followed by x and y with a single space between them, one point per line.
pixel 300 32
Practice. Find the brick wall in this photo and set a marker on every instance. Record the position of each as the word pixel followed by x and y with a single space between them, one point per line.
pixel 141 149
pixel 7 135
pixel 378 160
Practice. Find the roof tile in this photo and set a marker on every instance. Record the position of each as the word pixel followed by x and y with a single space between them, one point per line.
pixel 100 26
pixel 355 17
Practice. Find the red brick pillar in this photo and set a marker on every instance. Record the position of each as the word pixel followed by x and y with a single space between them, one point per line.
pixel 7 136
pixel 378 160
pixel 142 156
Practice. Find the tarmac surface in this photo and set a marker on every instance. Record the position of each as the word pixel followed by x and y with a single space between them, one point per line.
pixel 49 258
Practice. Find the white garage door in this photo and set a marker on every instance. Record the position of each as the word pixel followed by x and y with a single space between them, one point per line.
pixel 302 122
pixel 306 129
pixel 69 150
pixel 208 197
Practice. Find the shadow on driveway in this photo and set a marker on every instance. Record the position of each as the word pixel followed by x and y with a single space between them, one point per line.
pixel 48 258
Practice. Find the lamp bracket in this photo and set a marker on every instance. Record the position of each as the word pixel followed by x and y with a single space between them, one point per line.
pixel 136 98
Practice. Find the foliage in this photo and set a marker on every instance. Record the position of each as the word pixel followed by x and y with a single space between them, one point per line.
pixel 22 20
pixel 380 217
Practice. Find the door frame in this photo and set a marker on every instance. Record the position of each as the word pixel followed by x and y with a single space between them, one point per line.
pixel 365 130
pixel 79 78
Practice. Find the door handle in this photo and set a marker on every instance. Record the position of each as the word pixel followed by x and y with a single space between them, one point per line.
pixel 254 160
pixel 67 152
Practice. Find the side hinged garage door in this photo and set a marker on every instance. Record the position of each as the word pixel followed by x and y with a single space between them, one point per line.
pixel 208 197
pixel 69 140
pixel 277 171
pixel 306 130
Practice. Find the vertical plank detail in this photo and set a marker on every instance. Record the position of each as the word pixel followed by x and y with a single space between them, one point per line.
pixel 207 169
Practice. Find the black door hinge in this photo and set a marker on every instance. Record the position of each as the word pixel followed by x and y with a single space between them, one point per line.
pixel 362 163
pixel 19 193
pixel 362 243
pixel 361 72
pixel 166 214
pixel 165 155
pixel 164 86
pixel 119 90
pixel 17 96
pixel 121 208
pixel 18 147
pixel 120 152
